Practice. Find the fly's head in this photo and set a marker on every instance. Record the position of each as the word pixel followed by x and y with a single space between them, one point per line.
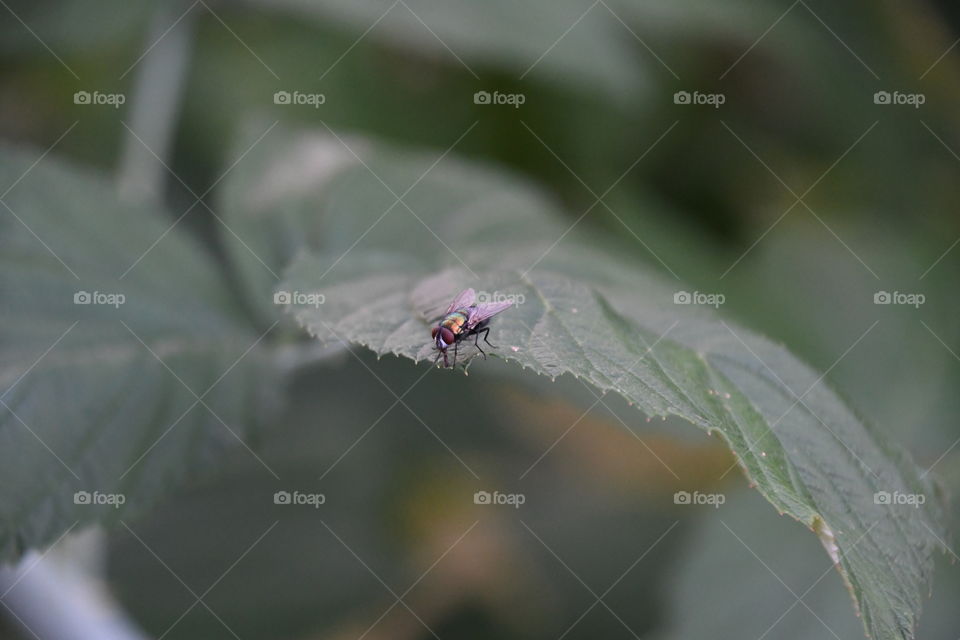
pixel 442 337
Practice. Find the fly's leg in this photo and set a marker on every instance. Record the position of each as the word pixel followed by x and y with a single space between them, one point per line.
pixel 486 332
pixel 476 343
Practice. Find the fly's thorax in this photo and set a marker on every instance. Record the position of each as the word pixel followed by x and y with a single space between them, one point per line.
pixel 449 329
pixel 455 322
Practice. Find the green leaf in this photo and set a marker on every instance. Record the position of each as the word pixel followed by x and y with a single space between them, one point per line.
pixel 612 322
pixel 104 398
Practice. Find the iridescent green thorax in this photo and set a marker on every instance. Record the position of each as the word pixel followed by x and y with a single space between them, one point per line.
pixel 455 321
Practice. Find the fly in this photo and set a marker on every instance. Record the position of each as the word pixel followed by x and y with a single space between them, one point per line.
pixel 463 319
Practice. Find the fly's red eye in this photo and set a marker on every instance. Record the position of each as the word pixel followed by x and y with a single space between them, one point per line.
pixel 433 332
pixel 446 335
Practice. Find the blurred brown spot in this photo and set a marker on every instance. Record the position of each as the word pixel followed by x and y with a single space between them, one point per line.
pixel 600 448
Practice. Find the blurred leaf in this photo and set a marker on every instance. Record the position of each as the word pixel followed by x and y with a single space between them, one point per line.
pixel 399 499
pixel 71 26
pixel 298 577
pixel 573 42
pixel 742 575
pixel 744 571
pixel 263 199
pixel 609 321
pixel 87 403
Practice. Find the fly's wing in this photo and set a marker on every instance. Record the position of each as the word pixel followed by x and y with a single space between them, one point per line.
pixel 463 300
pixel 485 311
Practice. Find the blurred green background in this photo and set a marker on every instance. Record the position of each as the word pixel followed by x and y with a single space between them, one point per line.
pixel 707 194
